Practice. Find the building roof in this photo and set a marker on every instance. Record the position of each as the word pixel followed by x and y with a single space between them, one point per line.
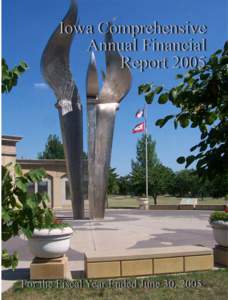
pixel 46 162
pixel 42 162
pixel 11 138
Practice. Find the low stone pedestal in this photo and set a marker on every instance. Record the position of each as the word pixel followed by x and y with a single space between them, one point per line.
pixel 53 268
pixel 221 255
pixel 147 261
pixel 143 203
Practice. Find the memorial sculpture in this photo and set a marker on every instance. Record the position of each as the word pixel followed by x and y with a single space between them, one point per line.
pixel 101 110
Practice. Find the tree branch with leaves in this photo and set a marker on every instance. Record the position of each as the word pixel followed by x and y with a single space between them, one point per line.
pixel 202 102
pixel 10 77
pixel 22 211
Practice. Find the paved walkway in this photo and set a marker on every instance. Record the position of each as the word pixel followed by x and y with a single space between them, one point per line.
pixel 121 229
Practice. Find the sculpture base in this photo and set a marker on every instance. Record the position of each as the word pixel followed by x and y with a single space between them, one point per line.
pixel 221 255
pixel 143 203
pixel 53 268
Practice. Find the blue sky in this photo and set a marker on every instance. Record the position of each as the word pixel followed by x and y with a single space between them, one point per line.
pixel 29 111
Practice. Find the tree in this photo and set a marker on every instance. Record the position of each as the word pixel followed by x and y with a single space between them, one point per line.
pixel 141 152
pixel 159 177
pixel 113 186
pixel 218 186
pixel 124 183
pixel 138 173
pixel 161 181
pixel 53 148
pixel 10 77
pixel 202 101
pixel 186 183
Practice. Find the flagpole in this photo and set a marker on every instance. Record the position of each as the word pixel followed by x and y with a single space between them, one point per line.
pixel 146 141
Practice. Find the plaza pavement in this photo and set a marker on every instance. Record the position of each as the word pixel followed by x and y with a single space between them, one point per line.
pixel 121 229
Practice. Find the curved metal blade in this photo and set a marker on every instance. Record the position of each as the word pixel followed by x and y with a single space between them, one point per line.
pixel 118 80
pixel 92 90
pixel 105 123
pixel 56 70
pixel 55 58
pixel 101 115
pixel 92 87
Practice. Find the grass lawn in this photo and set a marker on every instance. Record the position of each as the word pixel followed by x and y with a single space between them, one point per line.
pixel 131 202
pixel 206 285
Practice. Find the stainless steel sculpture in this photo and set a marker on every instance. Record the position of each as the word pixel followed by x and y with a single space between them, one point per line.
pixel 56 71
pixel 101 111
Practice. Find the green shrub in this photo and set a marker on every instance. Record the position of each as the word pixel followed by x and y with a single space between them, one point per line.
pixel 22 211
pixel 219 216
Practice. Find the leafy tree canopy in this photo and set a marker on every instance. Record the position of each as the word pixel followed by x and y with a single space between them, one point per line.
pixel 141 153
pixel 202 102
pixel 160 181
pixel 113 185
pixel 54 149
pixel 159 177
pixel 186 183
pixel 124 183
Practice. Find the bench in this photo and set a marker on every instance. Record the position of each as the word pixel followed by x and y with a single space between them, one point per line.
pixel 188 203
pixel 147 261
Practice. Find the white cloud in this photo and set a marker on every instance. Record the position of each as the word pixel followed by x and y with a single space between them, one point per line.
pixel 40 85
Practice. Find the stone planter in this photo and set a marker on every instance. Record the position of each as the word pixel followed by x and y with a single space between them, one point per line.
pixel 220 230
pixel 50 243
pixel 143 203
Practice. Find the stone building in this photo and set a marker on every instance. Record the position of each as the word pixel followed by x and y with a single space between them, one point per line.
pixel 56 184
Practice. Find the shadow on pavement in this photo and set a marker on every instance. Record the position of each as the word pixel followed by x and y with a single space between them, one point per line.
pixel 18 274
pixel 178 237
